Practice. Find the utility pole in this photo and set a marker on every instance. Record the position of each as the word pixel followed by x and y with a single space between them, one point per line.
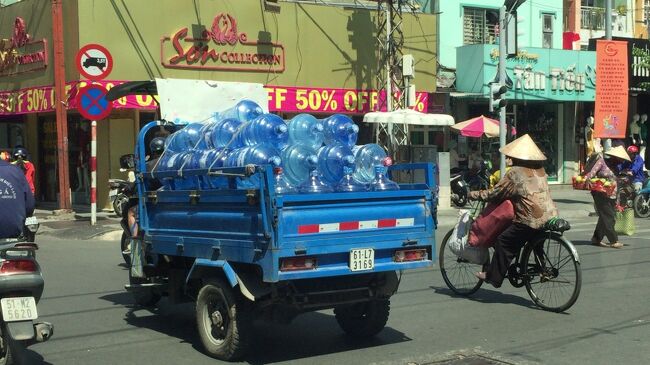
pixel 61 106
pixel 503 28
pixel 608 20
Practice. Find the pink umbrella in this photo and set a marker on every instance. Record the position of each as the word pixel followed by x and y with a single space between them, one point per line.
pixel 479 126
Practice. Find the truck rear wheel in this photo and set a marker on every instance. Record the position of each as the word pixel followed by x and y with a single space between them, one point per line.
pixel 223 322
pixel 363 319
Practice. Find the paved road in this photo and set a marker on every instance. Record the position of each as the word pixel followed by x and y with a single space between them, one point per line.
pixel 96 322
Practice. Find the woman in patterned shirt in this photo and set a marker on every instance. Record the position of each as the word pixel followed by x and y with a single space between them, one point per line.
pixel 606 205
pixel 526 186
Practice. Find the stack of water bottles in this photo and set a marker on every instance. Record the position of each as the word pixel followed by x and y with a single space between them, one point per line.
pixel 308 155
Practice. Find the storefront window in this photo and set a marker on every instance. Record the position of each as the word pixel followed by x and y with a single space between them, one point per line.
pixel 540 122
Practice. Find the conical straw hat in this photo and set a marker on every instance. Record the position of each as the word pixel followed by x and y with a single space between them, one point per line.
pixel 619 151
pixel 523 148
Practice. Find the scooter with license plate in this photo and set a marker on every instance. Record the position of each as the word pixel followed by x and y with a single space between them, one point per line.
pixel 21 287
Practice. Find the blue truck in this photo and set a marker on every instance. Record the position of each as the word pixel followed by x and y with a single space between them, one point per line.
pixel 246 254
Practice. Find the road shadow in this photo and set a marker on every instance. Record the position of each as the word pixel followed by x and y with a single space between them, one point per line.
pixel 572 201
pixel 487 295
pixel 30 357
pixel 582 243
pixel 311 334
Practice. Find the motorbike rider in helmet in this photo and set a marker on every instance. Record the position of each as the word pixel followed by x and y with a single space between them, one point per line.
pixel 156 148
pixel 21 156
pixel 634 168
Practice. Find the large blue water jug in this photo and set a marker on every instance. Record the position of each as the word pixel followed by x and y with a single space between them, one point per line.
pixel 213 159
pixel 184 139
pixel 224 134
pixel 348 183
pixel 339 128
pixel 267 128
pixel 331 161
pixel 176 162
pixel 366 158
pixel 381 182
pixel 205 142
pixel 306 129
pixel 315 184
pixel 298 160
pixel 243 111
pixel 282 185
pixel 262 154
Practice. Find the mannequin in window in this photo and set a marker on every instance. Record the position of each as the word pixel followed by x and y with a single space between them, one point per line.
pixel 589 136
pixel 635 130
pixel 82 160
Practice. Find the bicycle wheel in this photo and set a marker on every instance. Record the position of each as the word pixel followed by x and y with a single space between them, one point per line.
pixel 552 273
pixel 457 272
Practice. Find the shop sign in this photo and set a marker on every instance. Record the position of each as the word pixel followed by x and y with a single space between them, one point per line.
pixel 281 99
pixel 221 48
pixel 331 100
pixel 41 99
pixel 533 74
pixel 20 54
pixel 610 117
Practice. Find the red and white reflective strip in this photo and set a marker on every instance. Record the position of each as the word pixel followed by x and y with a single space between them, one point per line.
pixel 356 225
pixel 93 172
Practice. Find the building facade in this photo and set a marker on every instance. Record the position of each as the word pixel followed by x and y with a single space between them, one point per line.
pixel 314 57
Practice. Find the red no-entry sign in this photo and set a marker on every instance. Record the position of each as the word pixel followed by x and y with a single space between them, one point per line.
pixel 94 62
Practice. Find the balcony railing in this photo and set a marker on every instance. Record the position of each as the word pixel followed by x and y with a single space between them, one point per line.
pixel 593 18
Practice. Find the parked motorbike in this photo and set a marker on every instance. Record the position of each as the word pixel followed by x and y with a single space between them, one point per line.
pixel 459 190
pixel 21 287
pixel 118 194
pixel 641 203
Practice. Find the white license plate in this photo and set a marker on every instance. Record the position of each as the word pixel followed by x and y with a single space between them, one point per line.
pixel 112 193
pixel 30 221
pixel 18 309
pixel 362 259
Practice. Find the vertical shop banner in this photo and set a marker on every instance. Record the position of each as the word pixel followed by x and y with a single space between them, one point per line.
pixel 611 89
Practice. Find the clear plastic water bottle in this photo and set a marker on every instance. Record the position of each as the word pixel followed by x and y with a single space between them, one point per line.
pixel 262 154
pixel 339 128
pixel 306 129
pixel 331 161
pixel 298 160
pixel 381 182
pixel 184 139
pixel 348 183
pixel 282 185
pixel 315 184
pixel 223 134
pixel 267 128
pixel 366 158
pixel 243 111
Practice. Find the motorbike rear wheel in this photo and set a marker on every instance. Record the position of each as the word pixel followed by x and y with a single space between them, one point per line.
pixel 642 205
pixel 9 348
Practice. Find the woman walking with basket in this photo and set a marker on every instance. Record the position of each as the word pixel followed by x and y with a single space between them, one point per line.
pixel 526 186
pixel 606 167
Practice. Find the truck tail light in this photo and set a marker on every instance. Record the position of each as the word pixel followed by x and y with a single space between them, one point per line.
pixel 298 263
pixel 410 255
pixel 9 267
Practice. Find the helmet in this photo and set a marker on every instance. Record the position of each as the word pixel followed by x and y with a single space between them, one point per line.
pixel 157 145
pixel 21 153
pixel 633 149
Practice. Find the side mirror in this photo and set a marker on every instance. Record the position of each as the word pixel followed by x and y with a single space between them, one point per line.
pixel 127 162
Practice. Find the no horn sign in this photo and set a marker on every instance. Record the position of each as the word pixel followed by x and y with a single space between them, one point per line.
pixel 92 103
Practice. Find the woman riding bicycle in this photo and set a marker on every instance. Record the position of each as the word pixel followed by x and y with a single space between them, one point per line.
pixel 526 186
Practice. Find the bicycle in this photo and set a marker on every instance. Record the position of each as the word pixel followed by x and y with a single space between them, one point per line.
pixel 539 266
